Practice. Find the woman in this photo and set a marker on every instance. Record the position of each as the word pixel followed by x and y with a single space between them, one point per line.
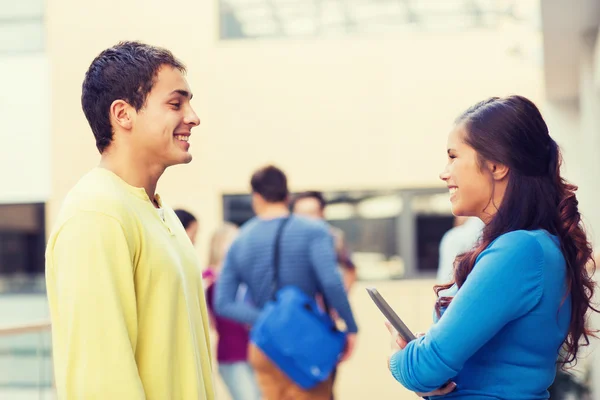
pixel 523 291
pixel 189 222
pixel 233 340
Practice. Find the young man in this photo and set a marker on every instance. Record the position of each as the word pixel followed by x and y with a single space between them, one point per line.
pixel 307 261
pixel 128 313
pixel 312 204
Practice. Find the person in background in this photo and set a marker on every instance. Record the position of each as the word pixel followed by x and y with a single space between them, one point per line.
pixel 129 317
pixel 518 302
pixel 461 238
pixel 233 339
pixel 189 222
pixel 312 204
pixel 307 261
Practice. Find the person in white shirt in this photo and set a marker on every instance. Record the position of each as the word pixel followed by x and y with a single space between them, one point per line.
pixel 461 238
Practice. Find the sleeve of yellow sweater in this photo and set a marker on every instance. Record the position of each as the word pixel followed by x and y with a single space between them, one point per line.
pixel 94 312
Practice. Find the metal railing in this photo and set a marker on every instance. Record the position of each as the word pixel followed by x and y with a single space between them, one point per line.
pixel 27 328
pixel 26 361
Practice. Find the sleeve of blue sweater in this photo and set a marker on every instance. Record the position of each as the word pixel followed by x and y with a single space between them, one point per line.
pixel 226 291
pixel 505 284
pixel 324 261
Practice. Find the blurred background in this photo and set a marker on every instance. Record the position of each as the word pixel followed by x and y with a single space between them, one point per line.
pixel 351 97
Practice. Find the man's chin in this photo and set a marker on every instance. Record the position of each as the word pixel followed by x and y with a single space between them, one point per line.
pixel 182 160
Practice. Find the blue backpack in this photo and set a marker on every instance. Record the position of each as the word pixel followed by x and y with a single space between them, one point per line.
pixel 295 334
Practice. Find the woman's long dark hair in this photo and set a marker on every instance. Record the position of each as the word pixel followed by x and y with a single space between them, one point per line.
pixel 512 132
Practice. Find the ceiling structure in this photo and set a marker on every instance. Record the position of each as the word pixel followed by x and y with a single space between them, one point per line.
pixel 318 18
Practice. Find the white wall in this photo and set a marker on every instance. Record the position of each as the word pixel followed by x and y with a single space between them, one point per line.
pixel 25 129
pixel 589 100
pixel 576 127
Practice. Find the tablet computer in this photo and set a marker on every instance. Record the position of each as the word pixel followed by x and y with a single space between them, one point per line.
pixel 391 315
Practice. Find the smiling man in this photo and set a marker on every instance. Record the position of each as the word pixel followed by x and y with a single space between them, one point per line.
pixel 128 313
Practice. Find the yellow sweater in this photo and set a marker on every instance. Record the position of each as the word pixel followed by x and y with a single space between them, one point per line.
pixel 129 317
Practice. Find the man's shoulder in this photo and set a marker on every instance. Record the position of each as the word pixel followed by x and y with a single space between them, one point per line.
pixel 308 226
pixel 297 225
pixel 248 226
pixel 98 194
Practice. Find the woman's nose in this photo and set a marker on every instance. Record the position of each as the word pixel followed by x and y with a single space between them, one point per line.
pixel 444 175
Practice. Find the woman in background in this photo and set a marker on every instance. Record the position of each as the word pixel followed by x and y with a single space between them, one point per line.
pixel 233 340
pixel 189 222
pixel 522 293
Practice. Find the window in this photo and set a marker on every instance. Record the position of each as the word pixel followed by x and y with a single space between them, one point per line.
pixel 247 19
pixel 392 234
pixel 21 26
pixel 22 247
pixel 433 220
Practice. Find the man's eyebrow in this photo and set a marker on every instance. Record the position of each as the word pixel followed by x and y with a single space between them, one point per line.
pixel 184 93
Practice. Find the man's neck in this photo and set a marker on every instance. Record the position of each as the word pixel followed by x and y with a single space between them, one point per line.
pixel 274 210
pixel 134 173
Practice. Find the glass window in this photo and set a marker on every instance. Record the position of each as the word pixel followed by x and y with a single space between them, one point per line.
pixel 433 219
pixel 21 26
pixel 300 18
pixel 22 247
pixel 391 234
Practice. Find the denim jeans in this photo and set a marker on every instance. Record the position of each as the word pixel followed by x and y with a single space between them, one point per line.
pixel 240 381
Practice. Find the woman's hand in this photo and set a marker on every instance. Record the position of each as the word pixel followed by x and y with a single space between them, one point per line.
pixel 447 388
pixel 397 343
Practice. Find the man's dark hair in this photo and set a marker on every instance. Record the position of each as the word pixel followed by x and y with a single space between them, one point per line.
pixel 271 183
pixel 127 72
pixel 312 194
pixel 185 217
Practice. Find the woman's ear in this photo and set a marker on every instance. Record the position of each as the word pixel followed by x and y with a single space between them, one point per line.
pixel 498 171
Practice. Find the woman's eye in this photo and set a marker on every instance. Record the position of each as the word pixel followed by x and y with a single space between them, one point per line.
pixel 176 105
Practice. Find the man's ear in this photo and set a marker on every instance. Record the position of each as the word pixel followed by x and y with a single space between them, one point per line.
pixel 498 171
pixel 121 113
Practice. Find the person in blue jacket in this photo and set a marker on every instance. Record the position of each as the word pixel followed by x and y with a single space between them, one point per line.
pixel 520 297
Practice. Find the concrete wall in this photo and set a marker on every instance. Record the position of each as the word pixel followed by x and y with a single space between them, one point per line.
pixel 25 134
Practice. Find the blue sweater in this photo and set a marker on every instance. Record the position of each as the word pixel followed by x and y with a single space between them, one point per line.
pixel 500 336
pixel 307 259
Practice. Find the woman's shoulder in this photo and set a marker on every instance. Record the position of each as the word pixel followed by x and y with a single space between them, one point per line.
pixel 523 241
pixel 512 250
pixel 515 261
